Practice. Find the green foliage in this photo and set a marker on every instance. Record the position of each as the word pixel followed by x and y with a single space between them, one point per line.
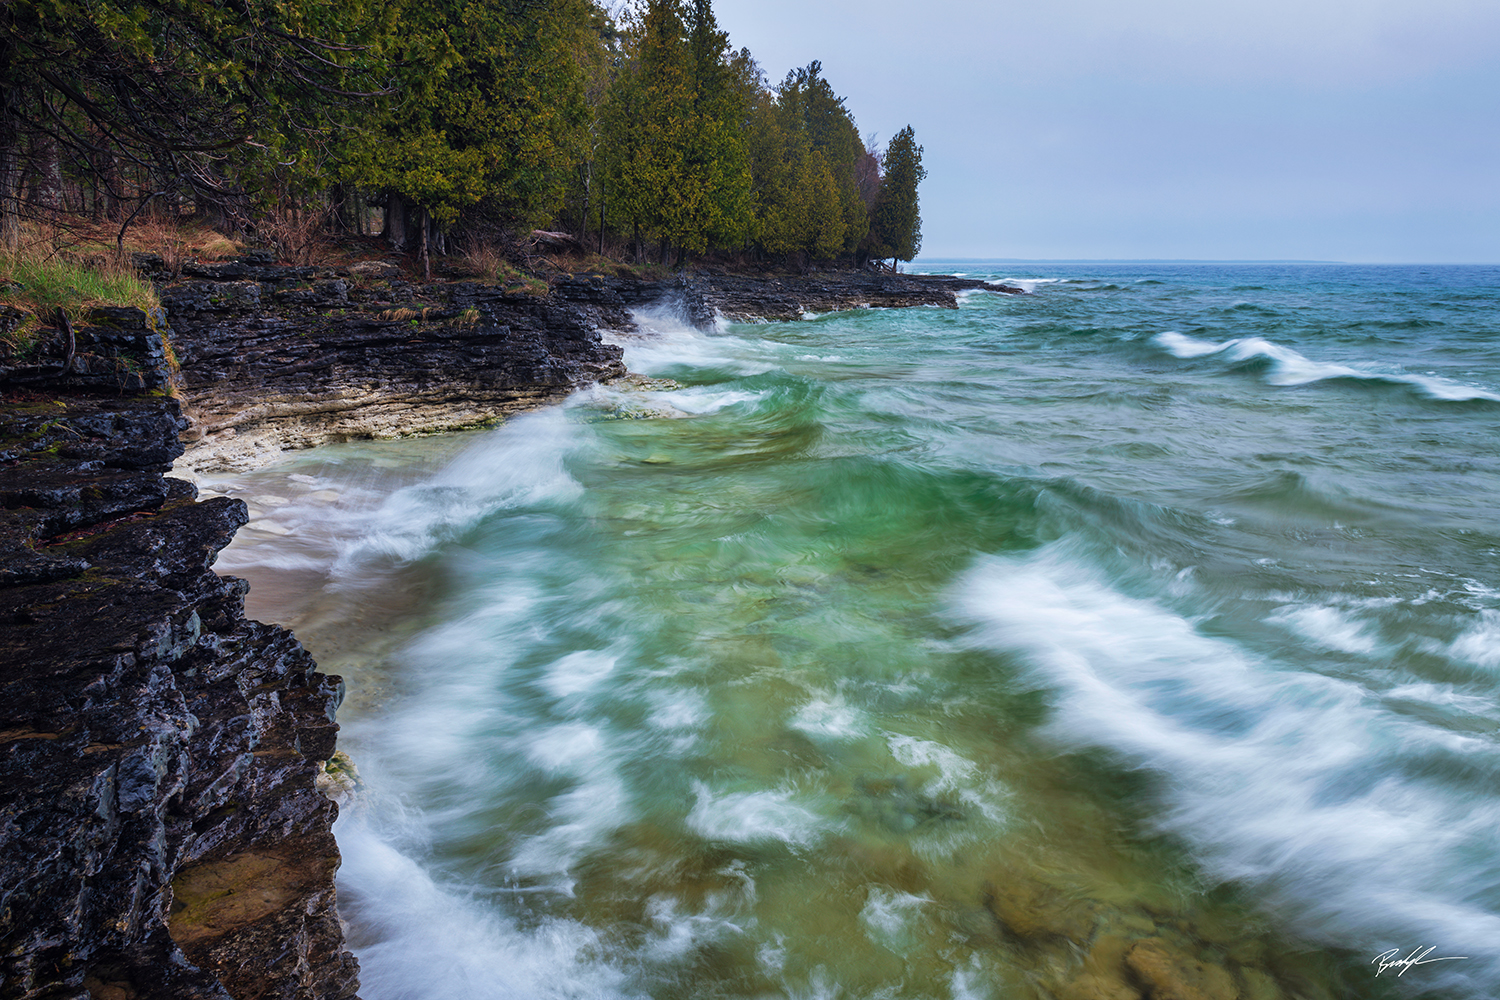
pixel 489 107
pixel 897 227
pixel 677 161
pixel 126 95
pixel 476 115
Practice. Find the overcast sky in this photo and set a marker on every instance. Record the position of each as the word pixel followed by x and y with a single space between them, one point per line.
pixel 1357 130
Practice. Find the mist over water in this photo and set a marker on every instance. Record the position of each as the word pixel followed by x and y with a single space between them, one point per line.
pixel 1165 594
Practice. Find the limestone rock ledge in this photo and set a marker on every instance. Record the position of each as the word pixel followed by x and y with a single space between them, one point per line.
pixel 161 835
pixel 278 358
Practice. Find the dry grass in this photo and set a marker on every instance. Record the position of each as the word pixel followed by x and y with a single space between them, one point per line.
pixel 178 241
pixel 484 260
pixel 299 237
pixel 488 262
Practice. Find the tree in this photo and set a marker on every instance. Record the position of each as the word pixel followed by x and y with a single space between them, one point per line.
pixel 897 225
pixel 820 114
pixel 489 111
pixel 129 95
pixel 716 160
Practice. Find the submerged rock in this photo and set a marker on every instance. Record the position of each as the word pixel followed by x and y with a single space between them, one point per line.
pixel 1171 975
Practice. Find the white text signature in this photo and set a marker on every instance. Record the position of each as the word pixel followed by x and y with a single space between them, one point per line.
pixel 1389 960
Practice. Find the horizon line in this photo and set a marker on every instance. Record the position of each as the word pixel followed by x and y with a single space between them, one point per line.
pixel 1132 260
pixel 1202 260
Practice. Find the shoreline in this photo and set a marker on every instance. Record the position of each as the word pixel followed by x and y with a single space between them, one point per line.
pixel 160 754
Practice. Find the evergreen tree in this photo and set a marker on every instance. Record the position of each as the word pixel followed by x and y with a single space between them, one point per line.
pixel 820 114
pixel 141 99
pixel 489 109
pixel 716 160
pixel 897 226
pixel 646 119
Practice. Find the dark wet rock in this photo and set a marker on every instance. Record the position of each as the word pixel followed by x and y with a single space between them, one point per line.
pixel 291 357
pixel 790 297
pixel 116 349
pixel 154 744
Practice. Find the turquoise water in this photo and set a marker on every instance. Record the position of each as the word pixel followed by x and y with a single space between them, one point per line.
pixel 935 653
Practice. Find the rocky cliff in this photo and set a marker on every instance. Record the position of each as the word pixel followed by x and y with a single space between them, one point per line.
pixel 274 358
pixel 161 832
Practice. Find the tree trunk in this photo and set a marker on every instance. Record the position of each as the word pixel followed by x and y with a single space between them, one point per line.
pixel 588 184
pixel 426 259
pixel 10 193
pixel 107 198
pixel 47 189
pixel 396 227
pixel 601 218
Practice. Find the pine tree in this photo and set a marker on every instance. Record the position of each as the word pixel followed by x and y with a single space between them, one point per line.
pixel 830 130
pixel 489 109
pixel 897 226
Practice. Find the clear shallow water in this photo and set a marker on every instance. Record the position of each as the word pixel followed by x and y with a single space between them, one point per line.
pixel 1165 595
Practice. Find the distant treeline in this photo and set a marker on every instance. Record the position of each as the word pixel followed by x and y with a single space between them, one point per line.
pixel 455 119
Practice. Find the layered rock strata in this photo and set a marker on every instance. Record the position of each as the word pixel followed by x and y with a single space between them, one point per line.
pixel 750 298
pixel 276 358
pixel 160 830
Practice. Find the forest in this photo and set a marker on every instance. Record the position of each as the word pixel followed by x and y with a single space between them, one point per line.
pixel 637 132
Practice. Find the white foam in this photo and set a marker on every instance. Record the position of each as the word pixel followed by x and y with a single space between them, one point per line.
pixel 1282 779
pixel 889 916
pixel 1288 367
pixel 701 400
pixel 829 717
pixel 754 817
pixel 666 342
pixel 430 942
pixel 1028 285
pixel 581 817
pixel 676 710
pixel 1444 696
pixel 1479 645
pixel 579 672
pixel 518 464
pixel 954 772
pixel 1326 627
pixel 956 777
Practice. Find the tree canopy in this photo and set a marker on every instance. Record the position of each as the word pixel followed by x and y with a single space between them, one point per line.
pixel 451 115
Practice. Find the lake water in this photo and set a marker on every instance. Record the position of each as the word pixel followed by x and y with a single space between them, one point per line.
pixel 935 653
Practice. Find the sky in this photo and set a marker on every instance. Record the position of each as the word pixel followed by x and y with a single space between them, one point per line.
pixel 1351 130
